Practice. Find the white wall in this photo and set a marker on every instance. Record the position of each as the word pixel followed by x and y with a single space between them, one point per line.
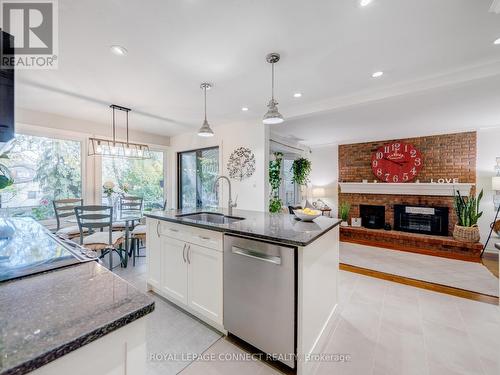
pixel 251 192
pixel 488 149
pixel 51 121
pixel 324 173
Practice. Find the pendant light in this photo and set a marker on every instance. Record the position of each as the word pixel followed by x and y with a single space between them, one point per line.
pixel 205 130
pixel 114 148
pixel 272 116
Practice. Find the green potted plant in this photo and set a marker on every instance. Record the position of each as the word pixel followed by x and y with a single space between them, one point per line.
pixel 344 213
pixel 301 168
pixel 467 210
pixel 275 202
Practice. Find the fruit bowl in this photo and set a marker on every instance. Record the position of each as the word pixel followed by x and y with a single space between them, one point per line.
pixel 307 214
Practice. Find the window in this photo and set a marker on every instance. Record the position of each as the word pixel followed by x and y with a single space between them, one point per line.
pixel 144 178
pixel 43 169
pixel 290 190
pixel 197 170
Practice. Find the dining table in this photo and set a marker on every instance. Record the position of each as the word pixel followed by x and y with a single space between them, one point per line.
pixel 129 217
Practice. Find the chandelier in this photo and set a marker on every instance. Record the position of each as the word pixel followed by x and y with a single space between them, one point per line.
pixel 119 149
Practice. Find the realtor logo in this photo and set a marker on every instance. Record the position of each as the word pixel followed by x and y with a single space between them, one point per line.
pixel 33 25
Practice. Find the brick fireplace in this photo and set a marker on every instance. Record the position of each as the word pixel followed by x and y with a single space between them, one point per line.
pixel 445 157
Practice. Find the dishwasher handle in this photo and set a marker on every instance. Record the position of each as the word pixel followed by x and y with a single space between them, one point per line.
pixel 256 255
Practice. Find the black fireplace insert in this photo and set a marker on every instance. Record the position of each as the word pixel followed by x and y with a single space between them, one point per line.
pixel 372 217
pixel 421 219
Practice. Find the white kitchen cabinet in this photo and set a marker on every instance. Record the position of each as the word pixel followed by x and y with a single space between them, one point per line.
pixel 205 281
pixel 174 269
pixel 189 262
pixel 153 254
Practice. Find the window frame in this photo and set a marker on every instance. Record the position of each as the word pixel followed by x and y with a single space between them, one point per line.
pixel 292 157
pixel 99 191
pixel 179 172
pixel 63 135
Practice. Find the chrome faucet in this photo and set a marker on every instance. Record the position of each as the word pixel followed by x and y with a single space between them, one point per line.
pixel 230 203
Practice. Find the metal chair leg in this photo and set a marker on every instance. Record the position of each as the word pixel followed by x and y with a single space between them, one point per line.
pixel 134 249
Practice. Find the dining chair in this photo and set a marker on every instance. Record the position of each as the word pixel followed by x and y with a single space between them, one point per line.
pixel 138 236
pixel 64 209
pixel 97 218
pixel 128 203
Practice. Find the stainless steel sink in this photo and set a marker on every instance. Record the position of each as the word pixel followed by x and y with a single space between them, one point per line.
pixel 211 217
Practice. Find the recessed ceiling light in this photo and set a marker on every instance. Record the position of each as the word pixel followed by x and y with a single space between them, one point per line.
pixel 377 74
pixel 244 109
pixel 364 3
pixel 297 95
pixel 497 41
pixel 118 50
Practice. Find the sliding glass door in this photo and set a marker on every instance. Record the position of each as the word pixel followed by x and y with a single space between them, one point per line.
pixel 197 171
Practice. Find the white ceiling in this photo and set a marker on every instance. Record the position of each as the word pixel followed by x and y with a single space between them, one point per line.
pixel 329 50
pixel 465 106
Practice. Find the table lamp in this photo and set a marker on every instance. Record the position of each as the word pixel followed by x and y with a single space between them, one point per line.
pixel 318 193
pixel 495 186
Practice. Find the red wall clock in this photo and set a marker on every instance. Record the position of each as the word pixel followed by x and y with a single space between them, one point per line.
pixel 396 162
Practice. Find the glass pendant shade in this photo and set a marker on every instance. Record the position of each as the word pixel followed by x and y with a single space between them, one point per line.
pixel 272 116
pixel 205 130
pixel 118 149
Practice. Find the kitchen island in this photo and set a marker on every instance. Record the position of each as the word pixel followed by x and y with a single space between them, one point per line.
pixel 269 279
pixel 62 313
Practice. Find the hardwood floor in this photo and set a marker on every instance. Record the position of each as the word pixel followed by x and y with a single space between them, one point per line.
pixel 490 261
pixel 422 284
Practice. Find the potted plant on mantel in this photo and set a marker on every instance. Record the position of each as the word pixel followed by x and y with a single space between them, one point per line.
pixel 344 213
pixel 467 210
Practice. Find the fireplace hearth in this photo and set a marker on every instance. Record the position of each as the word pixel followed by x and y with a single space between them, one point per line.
pixel 421 219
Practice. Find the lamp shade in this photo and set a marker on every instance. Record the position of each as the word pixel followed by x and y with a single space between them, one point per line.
pixel 495 183
pixel 319 192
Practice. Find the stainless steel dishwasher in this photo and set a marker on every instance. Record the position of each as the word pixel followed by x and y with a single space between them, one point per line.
pixel 259 295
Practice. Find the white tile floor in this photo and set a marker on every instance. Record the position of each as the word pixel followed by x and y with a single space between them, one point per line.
pixel 169 329
pixel 386 328
pixel 456 273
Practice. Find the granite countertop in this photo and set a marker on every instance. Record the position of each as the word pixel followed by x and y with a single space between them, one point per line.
pixel 282 228
pixel 48 315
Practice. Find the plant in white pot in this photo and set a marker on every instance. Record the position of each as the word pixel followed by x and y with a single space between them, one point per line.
pixel 467 210
pixel 344 213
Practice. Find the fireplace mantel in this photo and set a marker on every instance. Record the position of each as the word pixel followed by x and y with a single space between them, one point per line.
pixel 410 188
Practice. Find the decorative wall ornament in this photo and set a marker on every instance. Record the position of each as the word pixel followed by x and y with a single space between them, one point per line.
pixel 241 163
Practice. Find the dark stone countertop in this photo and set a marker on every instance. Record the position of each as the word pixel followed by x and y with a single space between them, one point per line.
pixel 282 228
pixel 48 315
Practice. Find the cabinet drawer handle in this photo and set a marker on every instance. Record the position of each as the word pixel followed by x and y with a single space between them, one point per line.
pixel 173 230
pixel 205 237
pixel 184 253
pixel 157 228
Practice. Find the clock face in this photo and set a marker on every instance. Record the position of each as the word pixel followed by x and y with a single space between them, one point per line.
pixel 396 162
